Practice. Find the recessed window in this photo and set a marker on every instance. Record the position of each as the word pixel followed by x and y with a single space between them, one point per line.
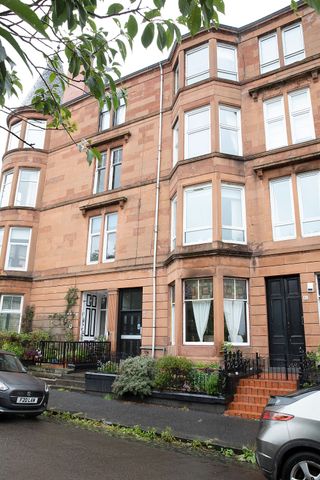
pixel 115 168
pixel 26 194
pixel 230 130
pixel 227 61
pixel 173 223
pixel 197 132
pixel 198 311
pixel 94 239
pixel 18 248
pixel 14 136
pixel 176 79
pixel 301 118
pixel 269 53
pixel 10 312
pixel 282 210
pixel 274 123
pixel 105 117
pixel 197 64
pixel 100 175
pixel 119 115
pixel 293 45
pixel 110 236
pixel 235 310
pixel 198 214
pixel 175 143
pixel 35 133
pixel 233 213
pixel 309 203
pixel 6 188
pixel 173 311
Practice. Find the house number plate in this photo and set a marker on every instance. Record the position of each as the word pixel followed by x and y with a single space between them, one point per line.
pixel 27 399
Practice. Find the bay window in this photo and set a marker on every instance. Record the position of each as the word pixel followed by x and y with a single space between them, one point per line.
pixel 282 209
pixel 197 64
pixel 197 132
pixel 18 248
pixel 10 312
pixel 198 214
pixel 227 61
pixel 35 133
pixel 198 311
pixel 6 188
pixel 233 213
pixel 26 194
pixel 13 136
pixel 230 130
pixel 309 203
pixel 235 310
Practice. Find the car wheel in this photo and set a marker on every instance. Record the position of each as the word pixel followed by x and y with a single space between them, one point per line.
pixel 302 466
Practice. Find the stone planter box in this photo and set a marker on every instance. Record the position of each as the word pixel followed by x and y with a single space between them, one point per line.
pixel 99 382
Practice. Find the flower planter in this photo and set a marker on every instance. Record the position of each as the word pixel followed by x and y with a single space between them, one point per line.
pixel 99 382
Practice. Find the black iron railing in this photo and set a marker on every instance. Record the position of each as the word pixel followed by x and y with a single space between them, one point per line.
pixel 77 354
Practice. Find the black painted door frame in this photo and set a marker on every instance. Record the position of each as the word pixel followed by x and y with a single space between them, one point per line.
pixel 285 318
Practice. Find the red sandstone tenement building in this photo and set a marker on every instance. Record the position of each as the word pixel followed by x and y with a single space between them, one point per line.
pixel 202 223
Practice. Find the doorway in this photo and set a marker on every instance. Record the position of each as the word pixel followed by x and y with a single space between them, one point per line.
pixel 94 322
pixel 130 322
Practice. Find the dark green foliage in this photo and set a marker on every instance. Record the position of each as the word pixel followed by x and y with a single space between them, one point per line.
pixel 24 345
pixel 173 373
pixel 136 377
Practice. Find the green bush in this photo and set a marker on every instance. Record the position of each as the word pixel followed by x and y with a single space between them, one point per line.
pixel 14 348
pixel 205 382
pixel 136 377
pixel 173 373
pixel 24 345
pixel 108 367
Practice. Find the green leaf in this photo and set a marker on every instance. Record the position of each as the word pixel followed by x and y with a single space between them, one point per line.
pixel 159 3
pixel 147 35
pixel 151 14
pixel 25 13
pixel 10 39
pixel 132 26
pixel 184 7
pixel 162 37
pixel 194 22
pixel 114 9
pixel 220 6
pixel 52 77
pixel 122 48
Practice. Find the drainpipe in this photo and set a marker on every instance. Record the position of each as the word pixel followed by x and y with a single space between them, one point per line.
pixel 156 220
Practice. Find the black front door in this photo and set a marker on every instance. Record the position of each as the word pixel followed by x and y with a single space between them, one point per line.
pixel 285 319
pixel 130 322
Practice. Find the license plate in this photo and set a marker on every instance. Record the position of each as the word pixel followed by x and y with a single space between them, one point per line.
pixel 27 399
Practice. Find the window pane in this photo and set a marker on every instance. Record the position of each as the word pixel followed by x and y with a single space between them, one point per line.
pixel 115 174
pixel 111 245
pixel 175 142
pixel 13 140
pixel 198 119
pixel 112 220
pixel 227 62
pixel 1 238
pixel 282 209
pixel 269 54
pixel 17 256
pixel 301 117
pixel 233 223
pixel 197 64
pixel 205 288
pixel 197 134
pixel 20 235
pixel 198 215
pixel 309 203
pixel 293 44
pixel 229 141
pixel 94 250
pixel 191 289
pixel 35 133
pixel 120 113
pixel 104 119
pixel 173 222
pixel 27 188
pixel 198 143
pixel 6 189
pixel 95 225
pixel 274 121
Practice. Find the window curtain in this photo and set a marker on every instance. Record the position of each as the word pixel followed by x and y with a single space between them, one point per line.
pixel 233 312
pixel 201 312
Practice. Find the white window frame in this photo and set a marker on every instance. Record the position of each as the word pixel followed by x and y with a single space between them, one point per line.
pixel 272 204
pixel 106 235
pixel 236 129
pixel 188 132
pixel 17 243
pixel 289 58
pixel 4 185
pixel 41 124
pixel 239 344
pixel 268 121
pixel 1 238
pixel 112 167
pixel 302 221
pixel 173 231
pixel 274 64
pixel 306 110
pixel 13 142
pixel 119 115
pixel 98 169
pixel 176 78
pixel 104 113
pixel 90 236
pixel 192 79
pixel 193 188
pixel 240 188
pixel 175 143
pixel 222 72
pixel 13 311
pixel 33 184
pixel 184 311
pixel 172 288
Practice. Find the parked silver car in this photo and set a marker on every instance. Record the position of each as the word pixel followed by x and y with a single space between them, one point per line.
pixel 20 393
pixel 288 442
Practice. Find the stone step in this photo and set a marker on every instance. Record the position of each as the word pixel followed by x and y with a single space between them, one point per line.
pixel 270 383
pixel 247 407
pixel 263 391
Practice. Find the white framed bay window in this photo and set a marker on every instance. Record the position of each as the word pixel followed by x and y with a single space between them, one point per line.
pixel 230 130
pixel 233 215
pixel 197 214
pixel 235 305
pixel 197 64
pixel 173 240
pixel 11 312
pixel 18 248
pixel 27 189
pixel 175 143
pixel 93 252
pixel 35 133
pixel 198 311
pixel 172 290
pixel 309 202
pixel 282 209
pixel 110 236
pixel 14 136
pixel 197 139
pixel 6 188
pixel 227 61
pixel 301 117
pixel 275 123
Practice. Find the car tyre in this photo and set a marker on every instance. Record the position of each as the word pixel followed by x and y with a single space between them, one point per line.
pixel 301 466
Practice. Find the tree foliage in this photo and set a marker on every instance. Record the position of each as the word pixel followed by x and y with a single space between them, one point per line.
pixel 91 38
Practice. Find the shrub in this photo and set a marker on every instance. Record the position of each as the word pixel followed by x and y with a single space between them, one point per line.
pixel 14 348
pixel 108 367
pixel 23 344
pixel 173 373
pixel 205 382
pixel 136 377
